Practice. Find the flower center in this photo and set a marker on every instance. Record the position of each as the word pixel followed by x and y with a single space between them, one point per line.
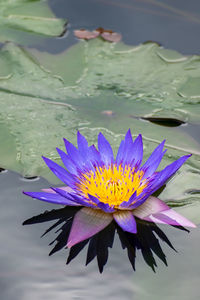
pixel 112 185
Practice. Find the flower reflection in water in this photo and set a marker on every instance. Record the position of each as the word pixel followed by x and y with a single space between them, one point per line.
pixel 146 240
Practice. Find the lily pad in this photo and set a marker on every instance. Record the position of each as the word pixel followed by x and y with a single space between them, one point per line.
pixel 146 73
pixel 44 98
pixel 17 16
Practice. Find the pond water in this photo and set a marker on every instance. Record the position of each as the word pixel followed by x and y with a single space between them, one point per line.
pixel 27 272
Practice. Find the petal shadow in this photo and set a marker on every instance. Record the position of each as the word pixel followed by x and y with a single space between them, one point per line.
pixel 147 240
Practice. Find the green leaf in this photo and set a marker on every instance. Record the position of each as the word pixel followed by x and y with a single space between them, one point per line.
pixel 165 81
pixel 32 16
pixel 98 86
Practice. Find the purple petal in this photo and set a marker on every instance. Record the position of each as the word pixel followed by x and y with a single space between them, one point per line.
pixel 153 161
pixel 82 144
pixel 73 153
pixel 70 166
pixel 89 155
pixel 120 153
pixel 140 199
pixel 94 199
pixel 129 202
pixel 126 220
pixel 104 206
pixel 162 176
pixel 83 201
pixel 82 162
pixel 138 150
pixel 151 206
pixel 51 197
pixel 95 155
pixel 128 140
pixel 59 171
pixel 170 217
pixel 128 149
pixel 73 197
pixel 105 150
pixel 87 222
pixel 130 152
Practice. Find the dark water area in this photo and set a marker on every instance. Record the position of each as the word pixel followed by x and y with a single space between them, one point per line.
pixel 27 272
pixel 173 24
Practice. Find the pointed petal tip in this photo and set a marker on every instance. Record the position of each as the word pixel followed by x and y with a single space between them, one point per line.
pixel 162 144
pixel 128 132
pixel 192 225
pixel 170 217
pixel 65 141
pixel 25 193
pixel 185 157
pixel 139 138
pixel 59 150
pixel 187 223
pixel 100 134
pixel 102 138
pixel 70 244
pixel 30 194
pixel 164 151
pixel 78 134
pixel 46 159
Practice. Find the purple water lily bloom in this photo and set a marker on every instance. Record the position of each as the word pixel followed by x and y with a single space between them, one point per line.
pixel 108 188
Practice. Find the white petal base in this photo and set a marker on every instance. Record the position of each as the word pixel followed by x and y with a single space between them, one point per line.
pixel 151 206
pixel 87 222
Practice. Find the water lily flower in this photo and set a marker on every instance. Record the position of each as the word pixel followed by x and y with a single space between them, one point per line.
pixel 107 188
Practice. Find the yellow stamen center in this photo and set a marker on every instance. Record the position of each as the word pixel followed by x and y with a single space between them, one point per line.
pixel 113 184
